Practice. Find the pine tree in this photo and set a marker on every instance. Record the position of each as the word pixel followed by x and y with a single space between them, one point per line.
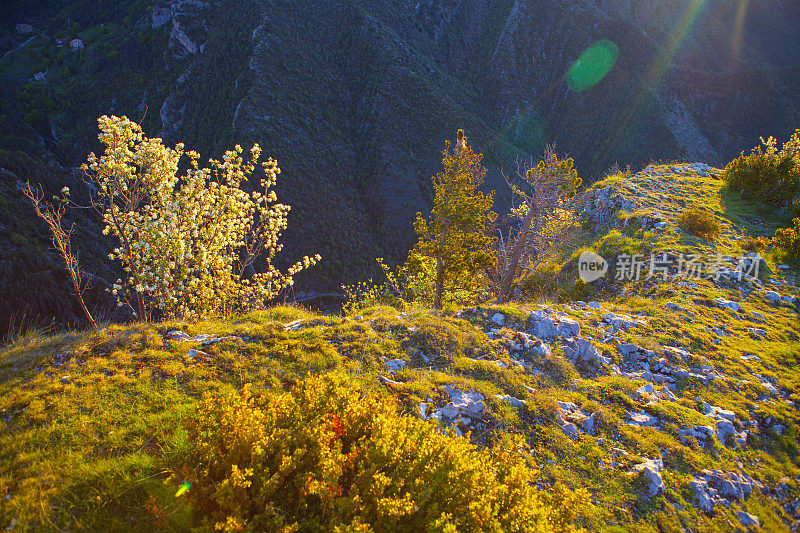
pixel 455 238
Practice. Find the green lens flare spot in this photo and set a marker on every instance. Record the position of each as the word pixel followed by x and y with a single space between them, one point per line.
pixel 183 489
pixel 593 65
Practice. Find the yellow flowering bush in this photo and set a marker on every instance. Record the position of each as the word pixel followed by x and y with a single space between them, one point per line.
pixel 187 241
pixel 326 457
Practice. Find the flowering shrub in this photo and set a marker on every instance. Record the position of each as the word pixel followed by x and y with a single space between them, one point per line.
pixel 186 242
pixel 324 457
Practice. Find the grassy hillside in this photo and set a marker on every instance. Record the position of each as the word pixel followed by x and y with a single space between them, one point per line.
pixel 671 402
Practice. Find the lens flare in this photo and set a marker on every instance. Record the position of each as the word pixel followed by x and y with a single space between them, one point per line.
pixel 183 489
pixel 593 65
pixel 738 32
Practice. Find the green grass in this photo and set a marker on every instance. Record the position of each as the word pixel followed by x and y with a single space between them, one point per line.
pixel 93 423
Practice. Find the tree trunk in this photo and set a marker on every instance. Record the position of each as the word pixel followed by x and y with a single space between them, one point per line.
pixel 76 287
pixel 437 302
pixel 516 256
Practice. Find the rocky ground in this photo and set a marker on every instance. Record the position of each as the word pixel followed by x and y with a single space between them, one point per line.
pixel 671 399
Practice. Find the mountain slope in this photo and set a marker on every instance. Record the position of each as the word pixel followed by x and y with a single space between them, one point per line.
pixel 672 401
pixel 355 98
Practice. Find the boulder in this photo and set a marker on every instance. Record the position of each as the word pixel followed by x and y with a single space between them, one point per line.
pixel 650 471
pixel 622 321
pixel 396 365
pixel 728 304
pixel 23 28
pixel 76 44
pixel 773 297
pixel 463 403
pixel 545 327
pixel 499 319
pixel 585 350
pixel 701 497
pixel 513 402
pixel 724 430
pixel 749 520
pixel 640 419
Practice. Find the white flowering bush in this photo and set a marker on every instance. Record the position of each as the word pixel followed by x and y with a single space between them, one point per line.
pixel 186 242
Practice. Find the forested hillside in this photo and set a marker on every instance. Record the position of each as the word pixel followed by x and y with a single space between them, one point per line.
pixel 354 98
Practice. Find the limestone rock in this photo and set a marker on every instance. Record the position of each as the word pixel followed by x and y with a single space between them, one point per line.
pixel 650 471
pixel 749 520
pixel 396 365
pixel 470 404
pixel 727 304
pixel 545 327
pixel 773 297
pixel 640 419
pixel 513 402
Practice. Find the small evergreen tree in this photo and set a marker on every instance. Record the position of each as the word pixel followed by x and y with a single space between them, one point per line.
pixel 455 238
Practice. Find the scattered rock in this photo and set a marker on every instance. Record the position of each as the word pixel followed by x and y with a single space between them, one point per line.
pixel 620 322
pixel 727 304
pixel 570 429
pixel 627 349
pixel 178 335
pixel 670 306
pixel 603 204
pixel 215 340
pixel 396 365
pixel 303 323
pixel 543 326
pixel 770 387
pixel 714 487
pixel 749 520
pixel 513 402
pixel 773 297
pixel 198 354
pixel 469 404
pixel 640 419
pixel 578 347
pixel 650 471
pixel 701 433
